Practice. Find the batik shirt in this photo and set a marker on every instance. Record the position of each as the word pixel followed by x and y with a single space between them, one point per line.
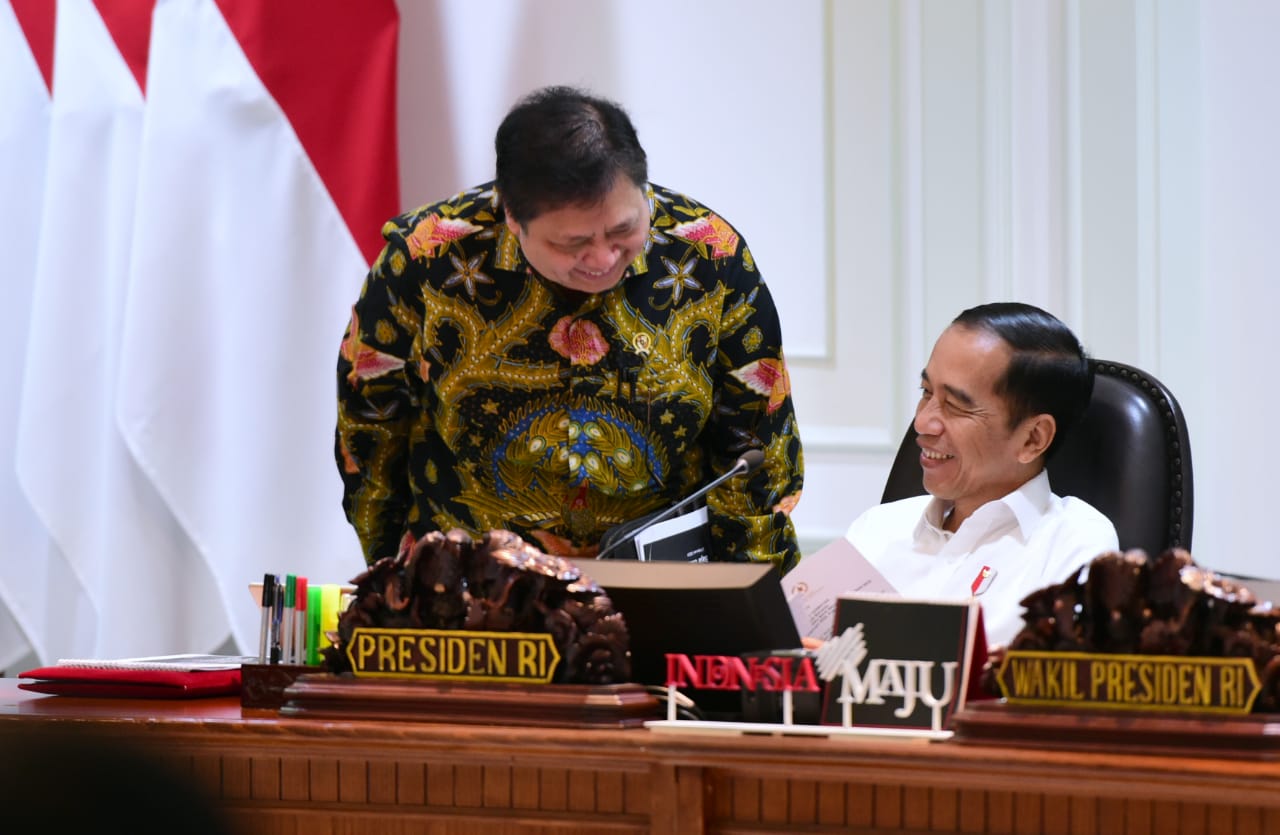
pixel 474 394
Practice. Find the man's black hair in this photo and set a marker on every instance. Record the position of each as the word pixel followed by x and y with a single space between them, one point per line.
pixel 1049 371
pixel 560 146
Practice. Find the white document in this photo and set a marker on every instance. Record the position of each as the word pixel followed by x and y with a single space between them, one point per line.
pixel 695 549
pixel 813 586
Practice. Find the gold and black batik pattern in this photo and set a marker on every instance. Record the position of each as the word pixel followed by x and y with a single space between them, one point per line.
pixel 474 394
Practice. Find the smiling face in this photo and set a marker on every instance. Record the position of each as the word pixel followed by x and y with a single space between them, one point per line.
pixel 968 451
pixel 588 248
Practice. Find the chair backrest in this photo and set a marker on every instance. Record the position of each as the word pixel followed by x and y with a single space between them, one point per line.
pixel 1128 455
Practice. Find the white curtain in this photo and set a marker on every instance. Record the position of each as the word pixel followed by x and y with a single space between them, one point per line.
pixel 24 139
pixel 197 257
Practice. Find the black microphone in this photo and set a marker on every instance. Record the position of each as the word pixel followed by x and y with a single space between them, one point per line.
pixel 748 462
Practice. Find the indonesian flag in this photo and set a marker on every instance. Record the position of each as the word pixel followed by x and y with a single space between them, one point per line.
pixel 124 585
pixel 26 71
pixel 267 168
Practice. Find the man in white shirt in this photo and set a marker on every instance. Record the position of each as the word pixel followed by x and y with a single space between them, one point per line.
pixel 1004 382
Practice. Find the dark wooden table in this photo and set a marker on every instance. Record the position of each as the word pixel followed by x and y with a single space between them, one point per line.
pixel 280 775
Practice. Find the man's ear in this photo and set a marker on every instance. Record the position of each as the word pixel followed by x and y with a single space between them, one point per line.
pixel 513 226
pixel 1038 432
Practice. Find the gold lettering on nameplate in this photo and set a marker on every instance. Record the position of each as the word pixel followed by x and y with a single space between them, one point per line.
pixel 1129 682
pixel 453 655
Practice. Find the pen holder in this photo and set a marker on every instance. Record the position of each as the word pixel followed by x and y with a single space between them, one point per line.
pixel 263 685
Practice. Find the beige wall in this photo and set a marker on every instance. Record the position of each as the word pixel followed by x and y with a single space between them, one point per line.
pixel 891 163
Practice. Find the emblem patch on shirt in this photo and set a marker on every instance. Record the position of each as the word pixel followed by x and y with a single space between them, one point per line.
pixel 982 581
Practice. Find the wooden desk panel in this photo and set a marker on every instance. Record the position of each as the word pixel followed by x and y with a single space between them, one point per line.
pixel 304 776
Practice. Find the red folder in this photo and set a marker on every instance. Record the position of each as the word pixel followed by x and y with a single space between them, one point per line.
pixel 125 683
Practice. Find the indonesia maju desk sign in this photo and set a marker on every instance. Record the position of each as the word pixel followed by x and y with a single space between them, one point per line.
pixel 896 667
pixel 900 663
pixel 785 672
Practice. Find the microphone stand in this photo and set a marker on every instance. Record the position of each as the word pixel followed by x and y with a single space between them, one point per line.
pixel 746 463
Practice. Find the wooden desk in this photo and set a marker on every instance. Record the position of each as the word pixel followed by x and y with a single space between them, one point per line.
pixel 296 776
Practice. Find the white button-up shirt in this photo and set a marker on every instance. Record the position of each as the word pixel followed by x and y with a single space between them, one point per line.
pixel 1007 549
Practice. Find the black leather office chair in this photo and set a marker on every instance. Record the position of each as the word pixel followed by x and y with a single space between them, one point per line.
pixel 1128 456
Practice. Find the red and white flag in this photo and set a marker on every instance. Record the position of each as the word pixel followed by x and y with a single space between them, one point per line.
pixel 26 72
pixel 128 564
pixel 268 165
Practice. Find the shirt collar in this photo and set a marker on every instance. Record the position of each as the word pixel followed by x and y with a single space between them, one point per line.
pixel 1027 505
pixel 1030 502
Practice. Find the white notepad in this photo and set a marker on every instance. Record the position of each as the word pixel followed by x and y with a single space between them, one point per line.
pixel 182 662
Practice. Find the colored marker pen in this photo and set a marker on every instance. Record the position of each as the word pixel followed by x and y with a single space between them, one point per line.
pixel 277 611
pixel 286 632
pixel 300 624
pixel 268 606
pixel 314 594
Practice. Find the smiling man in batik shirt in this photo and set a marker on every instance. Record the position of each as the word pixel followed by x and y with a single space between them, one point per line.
pixel 564 350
